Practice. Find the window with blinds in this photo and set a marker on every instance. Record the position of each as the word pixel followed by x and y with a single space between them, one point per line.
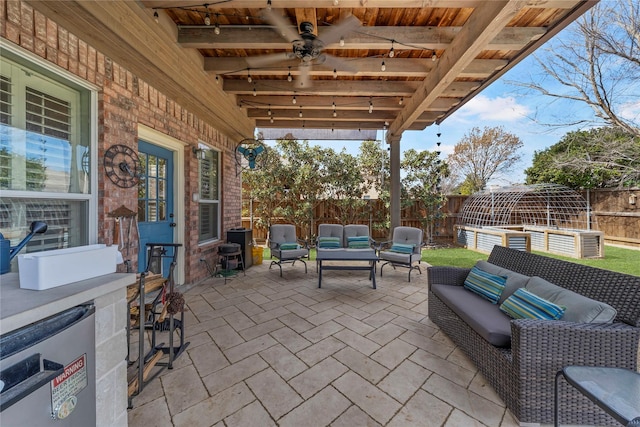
pixel 209 206
pixel 44 157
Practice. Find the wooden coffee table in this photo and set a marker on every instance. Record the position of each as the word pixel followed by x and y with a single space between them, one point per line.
pixel 347 255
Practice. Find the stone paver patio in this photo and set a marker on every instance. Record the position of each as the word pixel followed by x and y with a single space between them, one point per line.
pixel 267 350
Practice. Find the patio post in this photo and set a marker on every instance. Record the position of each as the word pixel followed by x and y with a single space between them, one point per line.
pixel 394 156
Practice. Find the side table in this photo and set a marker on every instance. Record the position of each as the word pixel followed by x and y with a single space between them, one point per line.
pixel 614 390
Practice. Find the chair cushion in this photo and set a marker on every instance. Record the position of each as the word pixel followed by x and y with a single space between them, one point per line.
pixel 514 280
pixel 358 242
pixel 402 248
pixel 482 316
pixel 329 242
pixel 525 305
pixel 288 246
pixel 487 285
pixel 579 309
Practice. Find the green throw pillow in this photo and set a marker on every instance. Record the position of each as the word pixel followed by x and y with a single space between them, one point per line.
pixel 402 248
pixel 487 285
pixel 358 242
pixel 522 304
pixel 328 242
pixel 289 246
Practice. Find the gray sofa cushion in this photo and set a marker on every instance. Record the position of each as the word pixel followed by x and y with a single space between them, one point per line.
pixel 514 280
pixel 484 317
pixel 579 309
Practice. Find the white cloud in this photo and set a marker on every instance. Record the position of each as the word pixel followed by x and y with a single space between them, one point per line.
pixel 500 109
pixel 631 111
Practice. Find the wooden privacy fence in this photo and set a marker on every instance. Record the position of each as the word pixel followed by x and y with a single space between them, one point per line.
pixel 614 212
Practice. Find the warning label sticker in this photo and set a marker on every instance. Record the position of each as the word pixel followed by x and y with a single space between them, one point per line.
pixel 70 382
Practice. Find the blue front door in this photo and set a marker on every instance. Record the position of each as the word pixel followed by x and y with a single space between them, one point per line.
pixel 155 202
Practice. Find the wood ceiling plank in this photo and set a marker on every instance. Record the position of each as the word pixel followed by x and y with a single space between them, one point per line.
pixel 289 4
pixel 406 38
pixel 124 31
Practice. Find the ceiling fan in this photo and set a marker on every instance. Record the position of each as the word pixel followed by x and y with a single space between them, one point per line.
pixel 306 46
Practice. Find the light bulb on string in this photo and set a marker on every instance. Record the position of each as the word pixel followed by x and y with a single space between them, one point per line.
pixel 156 17
pixel 289 76
pixel 269 4
pixel 392 52
pixel 217 79
pixel 341 41
pixel 370 106
pixel 269 110
pixel 216 29
pixel 300 113
pixel 383 67
pixel 207 19
pixel 271 119
pixel 293 100
pixel 249 79
pixel 254 91
pixel 434 57
pixel 335 73
pixel 401 101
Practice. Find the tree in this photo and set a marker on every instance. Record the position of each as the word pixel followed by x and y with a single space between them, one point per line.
pixel 598 158
pixel 376 168
pixel 597 64
pixel 421 186
pixel 481 155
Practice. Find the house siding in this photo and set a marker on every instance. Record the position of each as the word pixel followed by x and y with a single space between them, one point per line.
pixel 125 101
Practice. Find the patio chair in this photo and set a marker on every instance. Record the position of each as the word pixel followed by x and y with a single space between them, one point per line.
pixel 357 236
pixel 403 250
pixel 286 247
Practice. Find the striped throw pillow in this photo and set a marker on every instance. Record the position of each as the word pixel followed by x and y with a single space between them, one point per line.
pixel 525 305
pixel 488 286
pixel 402 248
pixel 358 242
pixel 289 246
pixel 328 242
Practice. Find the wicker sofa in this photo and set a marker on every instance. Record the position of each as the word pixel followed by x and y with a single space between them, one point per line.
pixel 523 373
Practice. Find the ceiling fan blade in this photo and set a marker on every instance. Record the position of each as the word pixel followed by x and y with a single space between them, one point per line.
pixel 341 29
pixel 266 60
pixel 304 79
pixel 285 29
pixel 339 64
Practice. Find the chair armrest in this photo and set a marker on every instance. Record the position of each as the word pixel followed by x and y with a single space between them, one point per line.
pixel 443 275
pixel 274 245
pixel 383 245
pixel 555 344
pixel 304 243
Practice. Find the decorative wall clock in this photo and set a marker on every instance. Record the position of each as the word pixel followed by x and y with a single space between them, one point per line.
pixel 122 166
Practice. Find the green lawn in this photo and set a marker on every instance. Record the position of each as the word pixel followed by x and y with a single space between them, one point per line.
pixel 616 259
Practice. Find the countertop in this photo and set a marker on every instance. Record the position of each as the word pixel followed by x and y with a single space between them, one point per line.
pixel 21 307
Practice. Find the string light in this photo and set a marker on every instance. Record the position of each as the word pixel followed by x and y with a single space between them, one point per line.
pixel 370 106
pixel 383 67
pixel 434 56
pixel 401 101
pixel 249 79
pixel 289 77
pixel 335 2
pixel 269 4
pixel 293 101
pixel 207 19
pixel 217 80
pixel 216 29
pixel 300 113
pixel 392 52
pixel 156 17
pixel 254 91
pixel 341 40
pixel 271 119
pixel 335 113
pixel 335 73
pixel 269 111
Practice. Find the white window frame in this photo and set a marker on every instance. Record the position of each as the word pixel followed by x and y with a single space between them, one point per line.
pixel 217 202
pixel 31 61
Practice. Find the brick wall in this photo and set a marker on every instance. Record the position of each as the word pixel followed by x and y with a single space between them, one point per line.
pixel 124 101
